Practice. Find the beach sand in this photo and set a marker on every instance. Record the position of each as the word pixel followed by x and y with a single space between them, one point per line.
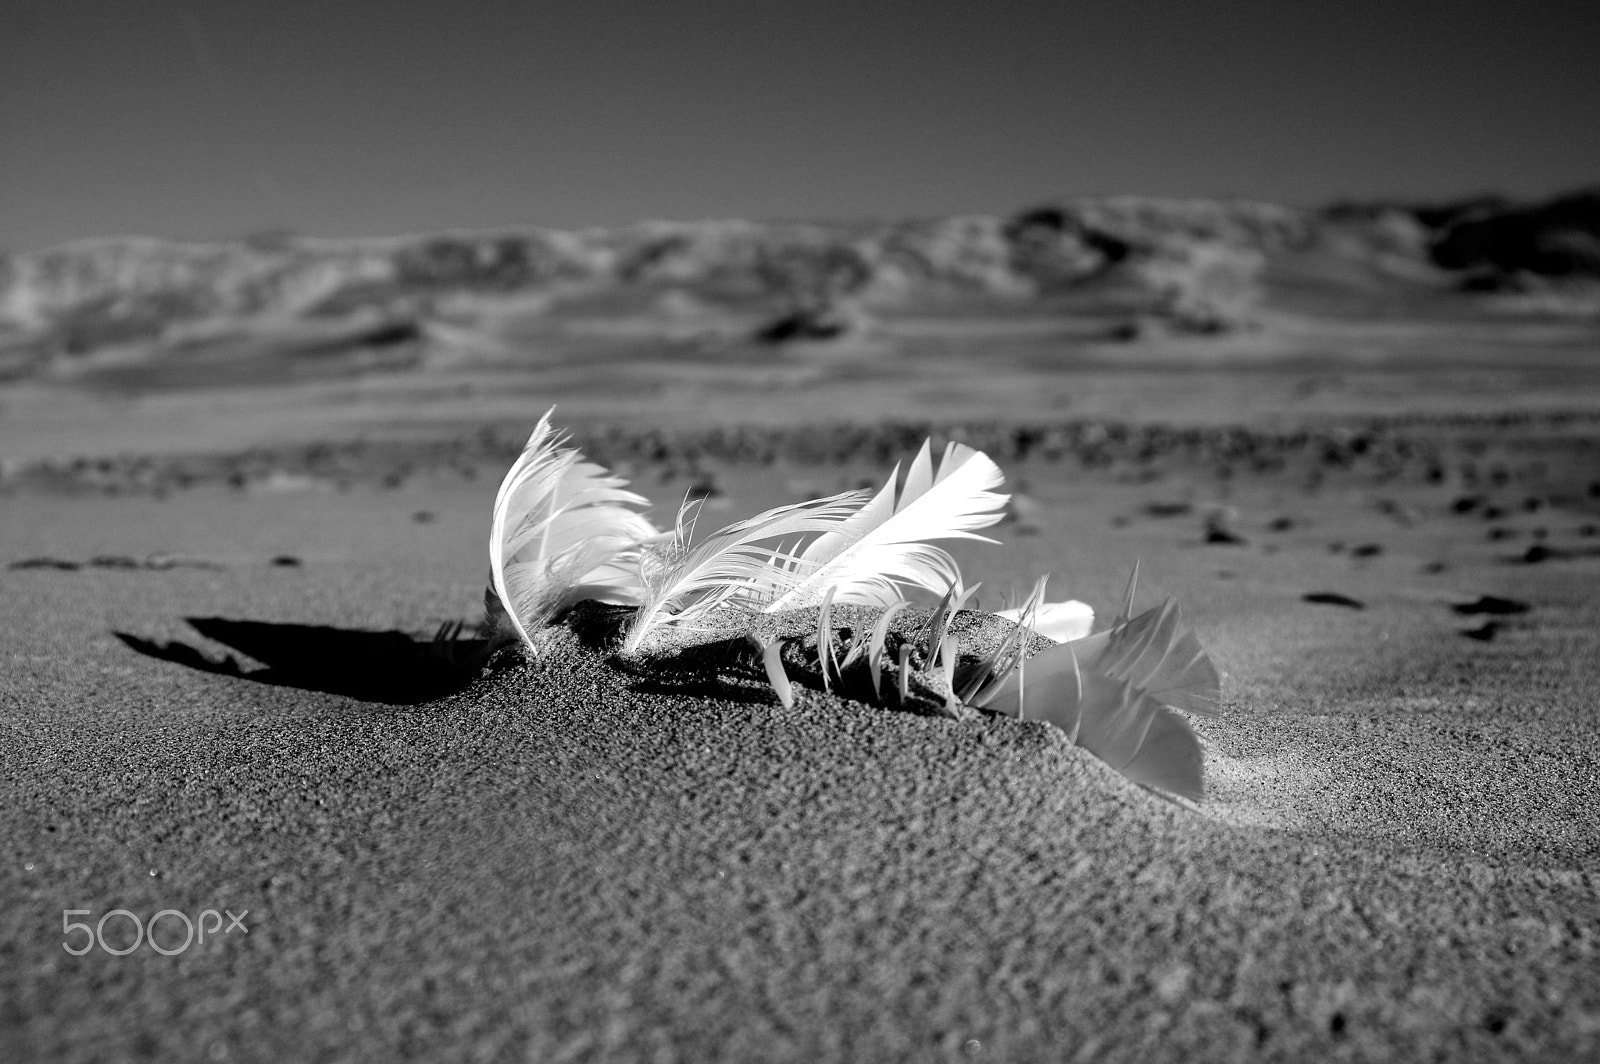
pixel 1399 857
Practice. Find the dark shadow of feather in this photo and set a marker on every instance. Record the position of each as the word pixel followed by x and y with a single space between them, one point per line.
pixel 391 668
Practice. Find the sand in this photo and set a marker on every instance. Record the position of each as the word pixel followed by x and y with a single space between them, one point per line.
pixel 566 861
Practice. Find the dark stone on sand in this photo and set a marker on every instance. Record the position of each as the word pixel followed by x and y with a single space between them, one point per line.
pixel 1537 553
pixel 1219 530
pixel 287 561
pixel 114 561
pixel 1168 509
pixel 1434 567
pixel 808 324
pixel 1281 524
pixel 1333 598
pixel 1492 604
pixel 1224 537
pixel 1366 550
pixel 703 488
pixel 122 562
pixel 423 517
pixel 59 564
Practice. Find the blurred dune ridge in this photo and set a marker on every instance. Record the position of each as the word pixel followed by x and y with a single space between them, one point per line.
pixel 1187 266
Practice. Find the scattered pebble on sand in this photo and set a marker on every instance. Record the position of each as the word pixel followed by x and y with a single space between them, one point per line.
pixel 1492 604
pixel 152 563
pixel 1333 598
pixel 1219 528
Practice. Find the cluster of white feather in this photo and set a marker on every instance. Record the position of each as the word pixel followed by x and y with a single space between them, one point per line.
pixel 567 530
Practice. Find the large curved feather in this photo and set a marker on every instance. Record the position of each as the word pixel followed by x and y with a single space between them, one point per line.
pixel 1124 727
pixel 565 530
pixel 1114 694
pixel 884 548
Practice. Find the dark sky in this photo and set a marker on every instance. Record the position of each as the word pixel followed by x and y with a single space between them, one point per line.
pixel 220 117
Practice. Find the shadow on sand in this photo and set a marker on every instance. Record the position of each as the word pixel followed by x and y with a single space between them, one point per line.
pixel 385 667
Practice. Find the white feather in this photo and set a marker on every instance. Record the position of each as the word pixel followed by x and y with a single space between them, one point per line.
pixel 565 530
pixel 1114 694
pixel 1060 621
pixel 739 567
pixel 883 548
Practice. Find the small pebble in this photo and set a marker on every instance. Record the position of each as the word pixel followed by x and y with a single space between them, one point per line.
pixel 1493 604
pixel 1219 528
pixel 1333 598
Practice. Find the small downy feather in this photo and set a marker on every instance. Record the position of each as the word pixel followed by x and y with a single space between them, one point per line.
pixel 1060 621
pixel 565 529
pixel 885 548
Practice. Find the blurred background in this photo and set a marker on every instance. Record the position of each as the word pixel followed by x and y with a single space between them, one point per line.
pixel 226 224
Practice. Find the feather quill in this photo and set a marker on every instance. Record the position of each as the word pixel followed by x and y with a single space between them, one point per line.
pixel 565 529
pixel 884 547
